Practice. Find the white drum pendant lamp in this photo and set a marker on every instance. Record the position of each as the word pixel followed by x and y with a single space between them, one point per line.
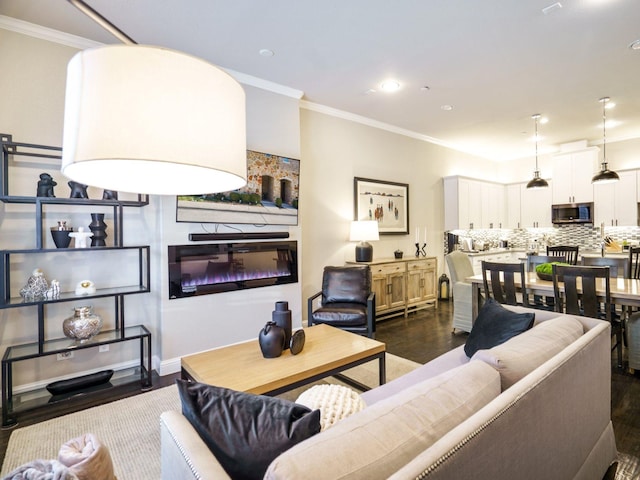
pixel 146 119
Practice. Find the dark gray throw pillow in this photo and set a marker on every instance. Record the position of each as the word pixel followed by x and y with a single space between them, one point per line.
pixel 495 325
pixel 245 432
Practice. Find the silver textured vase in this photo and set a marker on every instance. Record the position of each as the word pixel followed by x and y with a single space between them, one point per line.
pixel 83 325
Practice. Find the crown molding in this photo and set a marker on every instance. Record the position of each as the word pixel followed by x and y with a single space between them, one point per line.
pixel 334 112
pixel 56 36
pixel 44 33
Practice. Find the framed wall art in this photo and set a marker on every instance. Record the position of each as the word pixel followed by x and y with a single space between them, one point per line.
pixel 385 202
pixel 270 196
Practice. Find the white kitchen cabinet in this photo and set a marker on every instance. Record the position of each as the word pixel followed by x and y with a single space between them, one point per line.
pixel 535 206
pixel 472 204
pixel 493 197
pixel 615 204
pixel 572 172
pixel 512 206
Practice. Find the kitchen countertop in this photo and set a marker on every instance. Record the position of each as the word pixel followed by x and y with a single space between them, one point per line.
pixel 493 251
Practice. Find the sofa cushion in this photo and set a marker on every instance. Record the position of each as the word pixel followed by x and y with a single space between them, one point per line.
pixel 495 325
pixel 524 353
pixel 245 432
pixel 383 437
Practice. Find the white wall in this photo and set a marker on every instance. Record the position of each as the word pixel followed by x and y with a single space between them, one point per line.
pixel 195 324
pixel 334 151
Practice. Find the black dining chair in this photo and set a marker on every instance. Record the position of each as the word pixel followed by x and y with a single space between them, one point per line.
pixel 634 263
pixel 499 281
pixel 618 267
pixel 586 302
pixel 546 303
pixel 570 253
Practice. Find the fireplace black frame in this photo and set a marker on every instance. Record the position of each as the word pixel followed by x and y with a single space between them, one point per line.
pixel 221 267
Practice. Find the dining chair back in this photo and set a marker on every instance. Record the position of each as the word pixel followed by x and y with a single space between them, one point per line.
pixel 570 253
pixel 618 267
pixel 634 263
pixel 499 281
pixel 546 303
pixel 576 292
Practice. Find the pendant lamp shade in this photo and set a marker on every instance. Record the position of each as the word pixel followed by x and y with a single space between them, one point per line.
pixel 150 120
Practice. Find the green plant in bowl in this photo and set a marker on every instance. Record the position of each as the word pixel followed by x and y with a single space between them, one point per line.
pixel 545 270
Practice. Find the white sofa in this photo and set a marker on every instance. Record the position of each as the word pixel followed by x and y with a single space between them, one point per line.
pixel 496 416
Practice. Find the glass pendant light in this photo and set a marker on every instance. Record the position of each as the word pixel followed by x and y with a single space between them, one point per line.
pixel 537 182
pixel 604 175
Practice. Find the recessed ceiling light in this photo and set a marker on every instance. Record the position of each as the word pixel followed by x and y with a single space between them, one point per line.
pixel 635 45
pixel 446 108
pixel 265 52
pixel 390 85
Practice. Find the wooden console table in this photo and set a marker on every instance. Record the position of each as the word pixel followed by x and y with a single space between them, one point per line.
pixel 403 284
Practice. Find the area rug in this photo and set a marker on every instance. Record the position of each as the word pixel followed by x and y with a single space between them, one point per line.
pixel 130 428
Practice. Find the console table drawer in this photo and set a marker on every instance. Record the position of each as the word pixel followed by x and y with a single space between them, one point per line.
pixel 387 269
pixel 421 264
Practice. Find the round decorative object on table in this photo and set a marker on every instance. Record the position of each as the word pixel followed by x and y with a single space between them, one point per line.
pixel 83 325
pixel 297 342
pixel 271 340
pixel 99 230
pixel 281 316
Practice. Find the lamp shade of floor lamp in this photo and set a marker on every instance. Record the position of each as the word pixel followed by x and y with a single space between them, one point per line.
pixel 146 119
pixel 363 231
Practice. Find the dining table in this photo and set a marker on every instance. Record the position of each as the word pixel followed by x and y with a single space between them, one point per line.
pixel 624 291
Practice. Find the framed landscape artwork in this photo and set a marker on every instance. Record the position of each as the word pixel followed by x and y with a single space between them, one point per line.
pixel 270 196
pixel 385 202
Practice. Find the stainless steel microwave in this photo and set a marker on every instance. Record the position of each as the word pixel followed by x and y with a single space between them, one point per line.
pixel 572 213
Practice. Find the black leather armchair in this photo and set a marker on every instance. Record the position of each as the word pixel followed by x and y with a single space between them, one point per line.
pixel 347 301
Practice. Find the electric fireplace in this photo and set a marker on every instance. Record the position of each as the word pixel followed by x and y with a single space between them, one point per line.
pixel 223 267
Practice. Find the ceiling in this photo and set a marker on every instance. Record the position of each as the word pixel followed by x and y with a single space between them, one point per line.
pixel 496 62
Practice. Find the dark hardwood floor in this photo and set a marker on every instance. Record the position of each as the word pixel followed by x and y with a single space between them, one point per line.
pixel 421 337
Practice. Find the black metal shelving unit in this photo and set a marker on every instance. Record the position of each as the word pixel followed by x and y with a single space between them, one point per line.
pixel 15 403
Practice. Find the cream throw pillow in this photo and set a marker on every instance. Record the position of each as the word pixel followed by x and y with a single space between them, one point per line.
pixel 523 353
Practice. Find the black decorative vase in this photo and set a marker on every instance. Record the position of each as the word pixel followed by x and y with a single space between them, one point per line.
pixel 271 340
pixel 61 237
pixel 99 230
pixel 281 316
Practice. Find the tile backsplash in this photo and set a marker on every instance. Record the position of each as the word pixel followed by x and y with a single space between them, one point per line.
pixel 587 237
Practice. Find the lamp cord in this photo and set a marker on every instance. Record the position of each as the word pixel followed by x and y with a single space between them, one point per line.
pixel 604 134
pixel 103 22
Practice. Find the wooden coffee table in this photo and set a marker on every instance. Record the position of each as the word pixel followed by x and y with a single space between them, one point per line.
pixel 327 352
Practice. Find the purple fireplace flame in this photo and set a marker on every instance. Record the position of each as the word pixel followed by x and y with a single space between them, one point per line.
pixel 215 268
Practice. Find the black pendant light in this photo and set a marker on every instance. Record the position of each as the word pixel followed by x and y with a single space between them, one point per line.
pixel 537 182
pixel 604 175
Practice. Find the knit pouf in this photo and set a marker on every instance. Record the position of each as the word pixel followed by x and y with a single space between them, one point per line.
pixel 335 402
